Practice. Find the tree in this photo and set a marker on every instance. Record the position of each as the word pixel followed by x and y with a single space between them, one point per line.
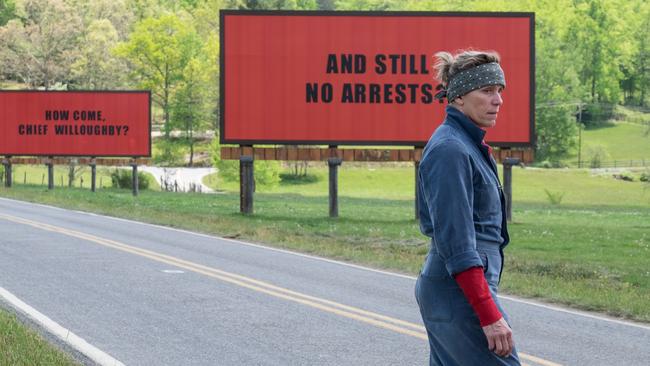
pixel 7 11
pixel 276 4
pixel 40 46
pixel 158 51
pixel 190 106
pixel 97 68
pixel 595 39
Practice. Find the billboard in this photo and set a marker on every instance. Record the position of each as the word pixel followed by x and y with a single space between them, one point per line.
pixel 361 78
pixel 75 123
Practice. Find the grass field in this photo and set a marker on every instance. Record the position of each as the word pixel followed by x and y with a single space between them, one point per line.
pixel 625 137
pixel 20 346
pixel 591 251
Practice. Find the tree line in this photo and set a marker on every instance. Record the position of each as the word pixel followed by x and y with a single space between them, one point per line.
pixel 590 54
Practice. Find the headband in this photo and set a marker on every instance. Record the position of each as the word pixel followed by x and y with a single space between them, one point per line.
pixel 471 79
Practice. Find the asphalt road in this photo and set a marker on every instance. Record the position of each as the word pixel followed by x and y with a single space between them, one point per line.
pixel 148 295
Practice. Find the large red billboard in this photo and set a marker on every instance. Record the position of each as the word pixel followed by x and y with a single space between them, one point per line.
pixel 75 123
pixel 362 78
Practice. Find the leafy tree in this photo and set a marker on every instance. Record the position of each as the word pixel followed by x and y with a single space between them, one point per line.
pixel 190 107
pixel 596 42
pixel 158 51
pixel 97 68
pixel 39 48
pixel 276 4
pixel 7 11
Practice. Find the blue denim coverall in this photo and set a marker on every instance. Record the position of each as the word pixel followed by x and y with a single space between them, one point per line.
pixel 462 208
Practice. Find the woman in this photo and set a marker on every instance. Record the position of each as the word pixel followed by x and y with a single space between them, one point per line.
pixel 462 209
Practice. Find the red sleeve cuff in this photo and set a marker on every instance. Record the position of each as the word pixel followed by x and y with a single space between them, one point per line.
pixel 477 292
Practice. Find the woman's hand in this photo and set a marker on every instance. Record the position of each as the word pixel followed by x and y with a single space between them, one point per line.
pixel 499 337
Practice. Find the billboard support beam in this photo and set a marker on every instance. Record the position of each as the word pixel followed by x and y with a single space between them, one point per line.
pixel 246 184
pixel 93 174
pixel 7 164
pixel 50 173
pixel 333 164
pixel 507 184
pixel 134 177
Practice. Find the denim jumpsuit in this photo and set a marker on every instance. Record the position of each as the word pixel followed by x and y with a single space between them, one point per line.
pixel 462 209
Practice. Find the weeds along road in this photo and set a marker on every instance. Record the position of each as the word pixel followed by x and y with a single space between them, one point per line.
pixel 148 295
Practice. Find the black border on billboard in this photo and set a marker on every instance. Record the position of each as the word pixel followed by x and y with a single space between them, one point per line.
pixel 222 67
pixel 85 91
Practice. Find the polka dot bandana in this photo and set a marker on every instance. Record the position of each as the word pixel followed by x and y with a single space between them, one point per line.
pixel 474 78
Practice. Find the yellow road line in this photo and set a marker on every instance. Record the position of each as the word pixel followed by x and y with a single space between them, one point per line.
pixel 350 312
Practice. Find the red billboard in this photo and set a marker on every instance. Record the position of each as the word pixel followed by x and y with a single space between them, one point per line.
pixel 361 78
pixel 75 123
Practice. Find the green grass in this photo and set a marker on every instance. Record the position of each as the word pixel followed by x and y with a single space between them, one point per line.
pixel 591 251
pixel 37 175
pixel 20 346
pixel 626 137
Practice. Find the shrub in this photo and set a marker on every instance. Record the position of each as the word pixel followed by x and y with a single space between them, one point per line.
pixel 266 173
pixel 596 155
pixel 291 178
pixel 169 152
pixel 121 178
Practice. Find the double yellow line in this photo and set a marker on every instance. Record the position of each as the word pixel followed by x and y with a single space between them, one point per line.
pixel 350 312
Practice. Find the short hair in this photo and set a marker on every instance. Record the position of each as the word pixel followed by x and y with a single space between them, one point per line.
pixel 449 65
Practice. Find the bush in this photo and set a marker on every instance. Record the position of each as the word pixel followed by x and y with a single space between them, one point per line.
pixel 266 172
pixel 596 155
pixel 169 152
pixel 290 178
pixel 121 178
pixel 645 177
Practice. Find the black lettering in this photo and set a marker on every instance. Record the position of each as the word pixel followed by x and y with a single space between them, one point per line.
pixel 393 66
pixel 60 129
pixel 332 65
pixel 359 64
pixel 403 63
pixel 375 96
pixel 312 92
pixel 423 64
pixel 401 96
pixel 388 93
pixel 346 64
pixel 327 93
pixel 414 91
pixel 119 130
pixel 380 65
pixel 57 115
pixel 347 96
pixel 427 93
pixel 359 93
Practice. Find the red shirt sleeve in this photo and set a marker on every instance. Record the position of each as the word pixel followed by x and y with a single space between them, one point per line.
pixel 477 292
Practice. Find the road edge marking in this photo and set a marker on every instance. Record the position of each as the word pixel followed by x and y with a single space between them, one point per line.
pixel 378 320
pixel 54 328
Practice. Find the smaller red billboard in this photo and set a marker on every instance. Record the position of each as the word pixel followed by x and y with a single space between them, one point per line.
pixel 75 123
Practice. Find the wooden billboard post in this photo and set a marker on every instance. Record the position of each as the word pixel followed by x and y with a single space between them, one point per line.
pixel 93 174
pixel 333 164
pixel 134 176
pixel 7 164
pixel 507 183
pixel 246 184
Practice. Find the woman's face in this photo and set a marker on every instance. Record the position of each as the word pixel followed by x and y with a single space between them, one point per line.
pixel 482 105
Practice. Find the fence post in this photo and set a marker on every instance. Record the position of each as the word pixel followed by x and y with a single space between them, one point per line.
pixel 334 164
